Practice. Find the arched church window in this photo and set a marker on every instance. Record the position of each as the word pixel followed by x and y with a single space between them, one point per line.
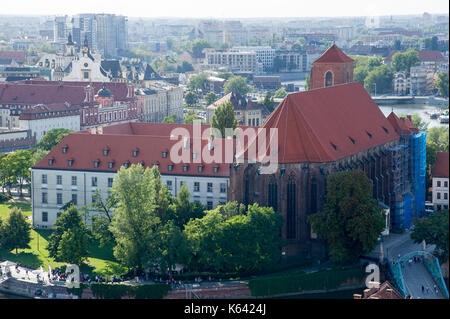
pixel 273 194
pixel 291 207
pixel 328 79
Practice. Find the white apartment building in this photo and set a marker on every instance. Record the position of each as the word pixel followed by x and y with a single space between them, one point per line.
pixel 242 61
pixel 440 182
pixel 264 54
pixel 83 163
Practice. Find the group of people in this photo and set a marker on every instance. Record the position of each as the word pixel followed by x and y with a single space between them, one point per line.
pixel 427 289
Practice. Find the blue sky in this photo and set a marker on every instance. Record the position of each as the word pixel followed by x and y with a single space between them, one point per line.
pixel 226 8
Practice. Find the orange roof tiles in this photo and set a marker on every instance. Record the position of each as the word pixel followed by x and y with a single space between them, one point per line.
pixel 327 124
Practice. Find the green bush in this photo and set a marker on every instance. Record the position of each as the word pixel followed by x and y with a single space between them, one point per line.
pixel 321 280
pixel 4 197
pixel 113 291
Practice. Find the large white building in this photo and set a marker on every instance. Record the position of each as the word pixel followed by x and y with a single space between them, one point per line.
pixel 41 118
pixel 87 161
pixel 264 54
pixel 224 60
pixel 440 182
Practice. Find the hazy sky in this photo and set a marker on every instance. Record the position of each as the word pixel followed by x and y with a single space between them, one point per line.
pixel 225 8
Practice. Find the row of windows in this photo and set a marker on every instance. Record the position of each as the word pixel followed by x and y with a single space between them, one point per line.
pixel 209 186
pixel 438 184
pixel 44 216
pixel 438 195
pixel 74 180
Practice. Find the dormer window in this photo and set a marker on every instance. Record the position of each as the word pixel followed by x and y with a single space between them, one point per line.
pixel 111 164
pixel 352 140
pixel 200 169
pixel 105 151
pixel 96 163
pixel 368 134
pixel 64 149
pixel 135 152
pixel 70 162
pixel 216 169
pixel 385 129
pixel 51 161
pixel 194 155
pixel 185 168
pixel 164 154
pixel 334 146
pixel 170 167
pixel 126 165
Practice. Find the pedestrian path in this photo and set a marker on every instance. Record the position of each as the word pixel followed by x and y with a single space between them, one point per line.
pixel 416 275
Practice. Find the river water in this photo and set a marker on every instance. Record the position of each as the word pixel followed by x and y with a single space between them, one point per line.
pixel 419 109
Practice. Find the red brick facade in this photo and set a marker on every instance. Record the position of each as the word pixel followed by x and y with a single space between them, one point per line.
pixel 336 64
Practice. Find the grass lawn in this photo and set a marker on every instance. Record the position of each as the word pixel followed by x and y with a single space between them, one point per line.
pixel 101 260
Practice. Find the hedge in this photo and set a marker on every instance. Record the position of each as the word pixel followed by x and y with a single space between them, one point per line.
pixel 321 280
pixel 117 291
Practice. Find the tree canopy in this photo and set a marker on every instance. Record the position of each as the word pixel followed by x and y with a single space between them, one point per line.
pixel 53 137
pixel 403 61
pixel 236 84
pixel 15 232
pixel 224 117
pixel 351 221
pixel 434 230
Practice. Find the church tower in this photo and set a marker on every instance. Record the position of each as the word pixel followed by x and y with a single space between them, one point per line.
pixel 332 68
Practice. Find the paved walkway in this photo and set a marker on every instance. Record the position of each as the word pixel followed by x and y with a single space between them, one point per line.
pixel 416 275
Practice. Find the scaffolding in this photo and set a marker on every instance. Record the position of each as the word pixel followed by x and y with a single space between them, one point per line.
pixel 408 160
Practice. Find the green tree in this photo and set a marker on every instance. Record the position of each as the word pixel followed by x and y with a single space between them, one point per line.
pixel 403 61
pixel 15 233
pixel 170 119
pixel 190 117
pixel 52 138
pixel 73 246
pixel 280 93
pixel 246 241
pixel 185 67
pixel 442 84
pixel 191 98
pixel 269 102
pixel 183 210
pixel 198 82
pixel 307 80
pixel 224 117
pixel 379 80
pixel 136 223
pixel 102 221
pixel 37 155
pixel 15 169
pixel 210 98
pixel 351 221
pixel 434 230
pixel 236 84
pixel 397 45
pixel 197 47
pixel 71 219
pixel 360 74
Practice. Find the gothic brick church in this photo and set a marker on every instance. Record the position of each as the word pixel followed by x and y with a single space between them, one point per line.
pixel 332 127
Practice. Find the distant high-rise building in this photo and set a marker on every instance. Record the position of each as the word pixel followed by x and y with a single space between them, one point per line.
pixel 60 29
pixel 106 33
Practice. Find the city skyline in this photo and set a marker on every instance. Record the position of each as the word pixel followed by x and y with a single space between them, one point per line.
pixel 234 9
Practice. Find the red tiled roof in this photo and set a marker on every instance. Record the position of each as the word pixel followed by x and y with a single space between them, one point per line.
pixel 440 168
pixel 385 291
pixel 402 126
pixel 18 56
pixel 48 111
pixel 333 55
pixel 423 55
pixel 46 92
pixel 327 124
pixel 152 139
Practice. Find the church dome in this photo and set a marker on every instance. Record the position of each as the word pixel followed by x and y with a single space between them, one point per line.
pixel 104 92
